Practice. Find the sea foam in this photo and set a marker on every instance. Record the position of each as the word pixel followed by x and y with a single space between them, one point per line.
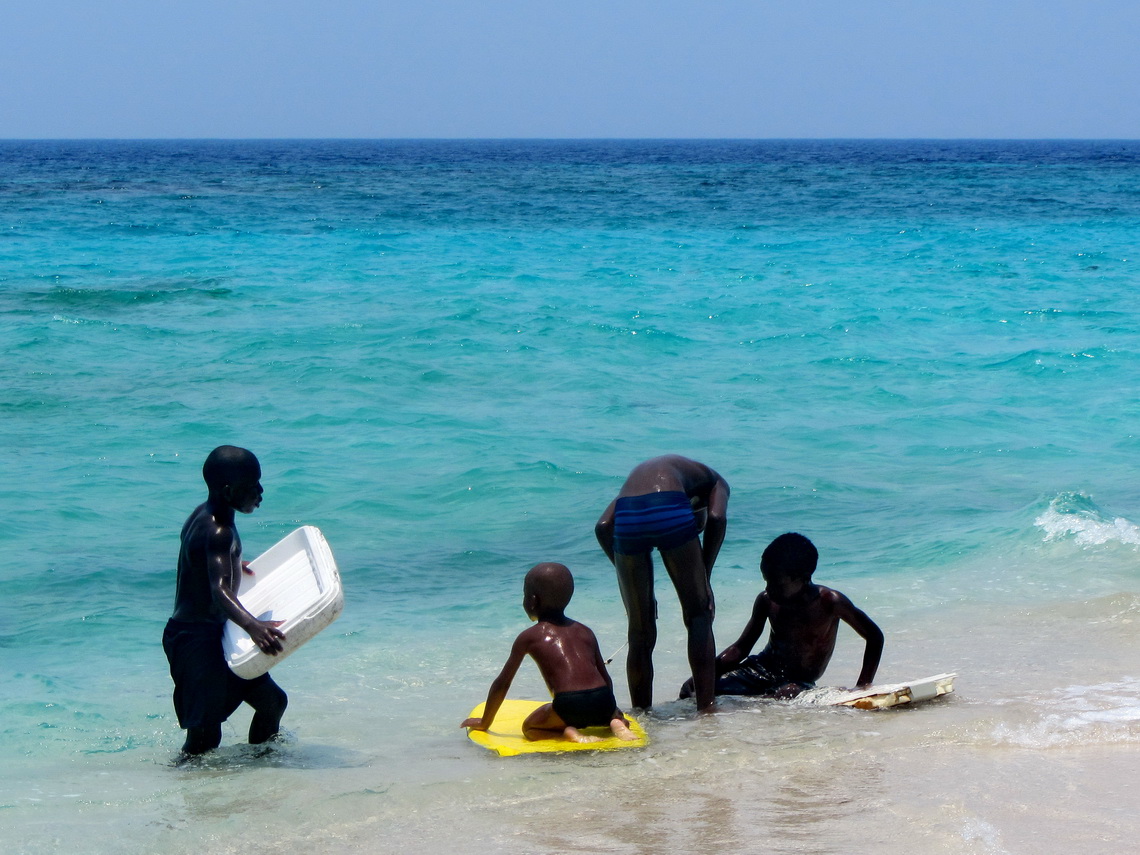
pixel 1077 516
pixel 1106 713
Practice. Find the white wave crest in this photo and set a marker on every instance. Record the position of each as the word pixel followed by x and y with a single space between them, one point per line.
pixel 1075 515
pixel 1081 715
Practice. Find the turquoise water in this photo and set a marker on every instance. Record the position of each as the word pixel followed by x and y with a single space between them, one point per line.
pixel 447 356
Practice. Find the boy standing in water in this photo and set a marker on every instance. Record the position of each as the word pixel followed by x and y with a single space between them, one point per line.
pixel 569 660
pixel 665 503
pixel 206 691
pixel 805 621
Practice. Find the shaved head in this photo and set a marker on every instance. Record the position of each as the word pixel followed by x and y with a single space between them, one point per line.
pixel 228 464
pixel 552 583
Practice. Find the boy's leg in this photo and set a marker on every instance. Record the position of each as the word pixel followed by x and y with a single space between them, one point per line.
pixel 635 581
pixel 199 740
pixel 752 678
pixel 686 568
pixel 545 723
pixel 269 702
pixel 203 693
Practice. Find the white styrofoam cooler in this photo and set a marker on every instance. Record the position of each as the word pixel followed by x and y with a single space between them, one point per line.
pixel 296 581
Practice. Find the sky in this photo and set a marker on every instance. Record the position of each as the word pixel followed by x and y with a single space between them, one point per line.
pixel 582 69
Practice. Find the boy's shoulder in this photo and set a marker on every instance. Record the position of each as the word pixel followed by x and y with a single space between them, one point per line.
pixel 836 602
pixel 579 628
pixel 204 522
pixel 533 631
pixel 830 596
pixel 547 631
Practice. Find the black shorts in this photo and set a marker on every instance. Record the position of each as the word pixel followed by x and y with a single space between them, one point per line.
pixel 206 691
pixel 753 677
pixel 587 708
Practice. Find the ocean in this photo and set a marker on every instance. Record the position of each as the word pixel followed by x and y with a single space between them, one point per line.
pixel 447 355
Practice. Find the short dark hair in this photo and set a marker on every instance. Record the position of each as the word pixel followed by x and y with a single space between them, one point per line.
pixel 552 582
pixel 790 554
pixel 227 464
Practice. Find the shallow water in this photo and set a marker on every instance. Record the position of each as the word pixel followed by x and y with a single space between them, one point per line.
pixel 447 356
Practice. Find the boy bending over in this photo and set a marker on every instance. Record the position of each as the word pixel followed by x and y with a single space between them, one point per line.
pixel 664 504
pixel 569 660
pixel 805 621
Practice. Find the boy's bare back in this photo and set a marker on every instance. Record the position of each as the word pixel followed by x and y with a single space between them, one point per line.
pixel 567 655
pixel 671 472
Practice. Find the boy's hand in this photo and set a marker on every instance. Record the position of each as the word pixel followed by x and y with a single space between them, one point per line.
pixel 267 636
pixel 474 724
pixel 245 568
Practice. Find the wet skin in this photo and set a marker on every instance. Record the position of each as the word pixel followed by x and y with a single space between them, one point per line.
pixel 689 567
pixel 210 565
pixel 804 621
pixel 568 658
pixel 209 575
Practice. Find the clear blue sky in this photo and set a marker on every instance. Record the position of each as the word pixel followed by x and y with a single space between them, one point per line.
pixel 576 68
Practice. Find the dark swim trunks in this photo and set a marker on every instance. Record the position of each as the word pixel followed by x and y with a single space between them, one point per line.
pixel 664 520
pixel 206 691
pixel 586 708
pixel 752 677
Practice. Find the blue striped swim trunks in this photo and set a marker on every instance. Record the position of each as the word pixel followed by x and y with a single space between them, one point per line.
pixel 664 520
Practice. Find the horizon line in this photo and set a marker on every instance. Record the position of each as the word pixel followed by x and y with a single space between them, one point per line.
pixel 567 139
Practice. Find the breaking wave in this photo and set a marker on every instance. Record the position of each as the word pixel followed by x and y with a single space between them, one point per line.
pixel 1077 516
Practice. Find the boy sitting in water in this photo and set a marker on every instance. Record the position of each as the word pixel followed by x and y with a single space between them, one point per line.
pixel 569 660
pixel 805 621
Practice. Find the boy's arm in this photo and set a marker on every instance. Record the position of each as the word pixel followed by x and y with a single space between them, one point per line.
pixel 734 654
pixel 869 630
pixel 498 690
pixel 601 663
pixel 604 530
pixel 715 524
pixel 264 633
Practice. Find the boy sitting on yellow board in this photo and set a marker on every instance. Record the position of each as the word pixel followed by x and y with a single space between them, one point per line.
pixel 569 660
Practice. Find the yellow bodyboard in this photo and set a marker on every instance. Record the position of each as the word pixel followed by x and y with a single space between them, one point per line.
pixel 506 739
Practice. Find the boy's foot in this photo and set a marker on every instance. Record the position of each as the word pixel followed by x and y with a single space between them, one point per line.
pixel 621 730
pixel 572 734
